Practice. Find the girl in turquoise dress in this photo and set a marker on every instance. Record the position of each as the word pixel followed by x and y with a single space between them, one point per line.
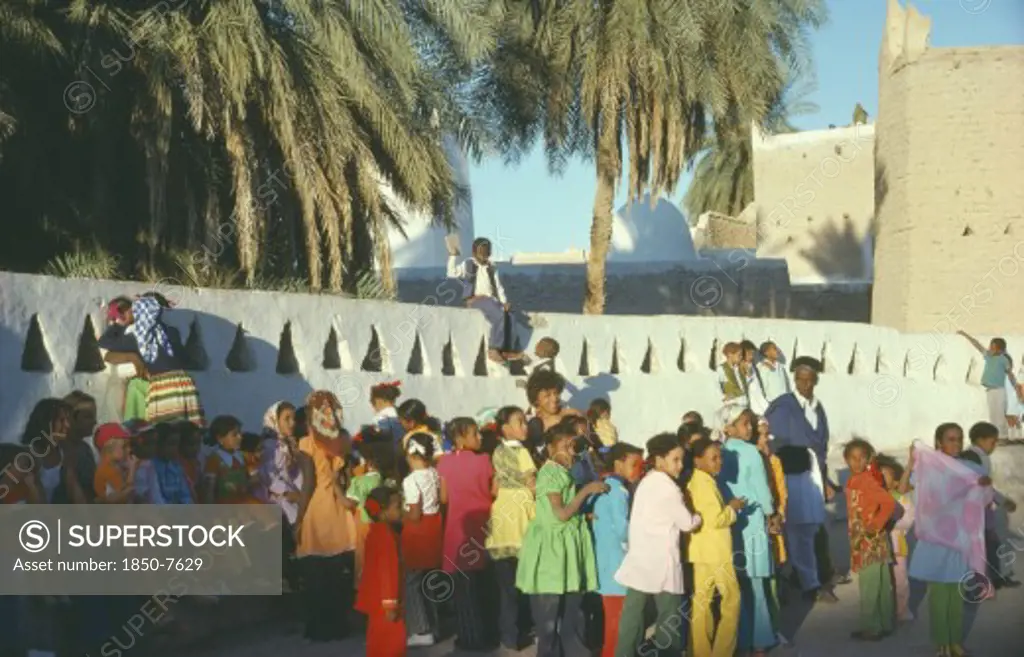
pixel 556 561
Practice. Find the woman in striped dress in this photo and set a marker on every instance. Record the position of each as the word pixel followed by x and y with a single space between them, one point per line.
pixel 155 350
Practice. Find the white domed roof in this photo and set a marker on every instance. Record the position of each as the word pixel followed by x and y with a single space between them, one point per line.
pixel 423 244
pixel 641 233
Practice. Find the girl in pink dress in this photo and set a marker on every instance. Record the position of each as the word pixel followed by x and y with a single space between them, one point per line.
pixel 467 491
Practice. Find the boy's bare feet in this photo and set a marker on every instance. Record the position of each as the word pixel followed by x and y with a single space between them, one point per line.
pixel 496 356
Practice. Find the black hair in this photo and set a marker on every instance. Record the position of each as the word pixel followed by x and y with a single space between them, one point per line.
pixel 122 303
pixel 598 407
pixel 389 392
pixel 251 442
pixel 505 414
pixel 941 430
pixel 747 345
pixel 460 426
pixel 41 419
pixel 886 461
pixel 765 346
pixel 983 430
pixel 969 455
pixel 661 445
pixel 379 452
pixel 413 410
pixel 620 451
pixel 701 446
pixel 284 406
pixel 558 432
pixel 698 418
pixel 542 380
pixel 858 444
pixel 686 431
pixel 160 299
pixel 222 425
pixel 165 431
pixel 424 440
pixel 481 241
pixel 301 428
pixel 1000 343
pixel 186 429
pixel 382 495
pixel 806 361
pixel 753 419
pixel 489 440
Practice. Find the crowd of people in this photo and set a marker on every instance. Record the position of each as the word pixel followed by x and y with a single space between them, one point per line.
pixel 525 525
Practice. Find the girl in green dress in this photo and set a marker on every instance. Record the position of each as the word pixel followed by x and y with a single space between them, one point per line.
pixel 556 561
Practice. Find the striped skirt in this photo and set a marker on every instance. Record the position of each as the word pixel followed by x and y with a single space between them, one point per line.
pixel 173 398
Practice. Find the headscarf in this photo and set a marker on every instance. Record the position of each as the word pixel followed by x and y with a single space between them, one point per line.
pixel 149 332
pixel 270 428
pixel 322 408
pixel 727 415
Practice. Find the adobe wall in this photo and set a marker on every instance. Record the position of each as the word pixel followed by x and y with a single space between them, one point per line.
pixel 950 156
pixel 814 195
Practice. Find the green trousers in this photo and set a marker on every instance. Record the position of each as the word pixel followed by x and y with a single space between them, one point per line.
pixel 877 604
pixel 668 634
pixel 946 614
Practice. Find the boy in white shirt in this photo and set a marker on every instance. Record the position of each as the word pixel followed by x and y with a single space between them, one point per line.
pixel 771 374
pixel 482 290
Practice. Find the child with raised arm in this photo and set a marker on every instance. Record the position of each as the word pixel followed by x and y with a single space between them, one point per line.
pixel 482 290
pixel 993 379
pixel 653 564
pixel 556 562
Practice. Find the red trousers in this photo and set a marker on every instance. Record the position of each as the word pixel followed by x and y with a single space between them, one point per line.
pixel 612 605
pixel 383 637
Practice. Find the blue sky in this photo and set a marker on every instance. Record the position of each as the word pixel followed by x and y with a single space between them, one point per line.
pixel 528 209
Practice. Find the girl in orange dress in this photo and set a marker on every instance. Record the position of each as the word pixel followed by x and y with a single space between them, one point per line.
pixel 325 531
pixel 383 582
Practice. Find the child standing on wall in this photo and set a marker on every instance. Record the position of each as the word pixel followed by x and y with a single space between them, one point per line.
pixel 483 291
pixel 993 379
pixel 730 378
pixel 870 506
pixel 771 374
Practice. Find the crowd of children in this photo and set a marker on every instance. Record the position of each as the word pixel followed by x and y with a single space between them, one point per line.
pixel 540 525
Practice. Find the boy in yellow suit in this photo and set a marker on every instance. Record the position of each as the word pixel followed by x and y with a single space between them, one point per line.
pixel 710 550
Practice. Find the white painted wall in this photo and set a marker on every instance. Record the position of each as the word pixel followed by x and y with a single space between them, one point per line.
pixel 901 386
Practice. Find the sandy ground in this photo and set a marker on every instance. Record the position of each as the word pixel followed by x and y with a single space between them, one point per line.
pixel 994 629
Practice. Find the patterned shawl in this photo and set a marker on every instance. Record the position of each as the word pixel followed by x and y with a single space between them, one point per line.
pixel 949 505
pixel 149 332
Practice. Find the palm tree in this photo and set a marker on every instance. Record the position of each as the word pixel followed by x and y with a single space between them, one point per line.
pixel 231 130
pixel 637 84
pixel 723 179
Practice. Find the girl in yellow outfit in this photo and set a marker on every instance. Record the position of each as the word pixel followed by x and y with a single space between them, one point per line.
pixel 710 550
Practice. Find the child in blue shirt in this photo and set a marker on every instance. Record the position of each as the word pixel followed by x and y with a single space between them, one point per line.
pixel 611 533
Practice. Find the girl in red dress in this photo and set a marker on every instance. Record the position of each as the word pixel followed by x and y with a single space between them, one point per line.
pixel 382 582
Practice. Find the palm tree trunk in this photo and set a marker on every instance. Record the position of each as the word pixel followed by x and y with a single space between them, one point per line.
pixel 601 226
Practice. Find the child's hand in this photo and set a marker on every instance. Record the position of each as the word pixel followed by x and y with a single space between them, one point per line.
pixel 595 488
pixel 737 503
pixel 985 481
pixel 391 615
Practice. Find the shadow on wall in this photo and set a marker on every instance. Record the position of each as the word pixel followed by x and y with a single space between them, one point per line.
pixel 838 253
